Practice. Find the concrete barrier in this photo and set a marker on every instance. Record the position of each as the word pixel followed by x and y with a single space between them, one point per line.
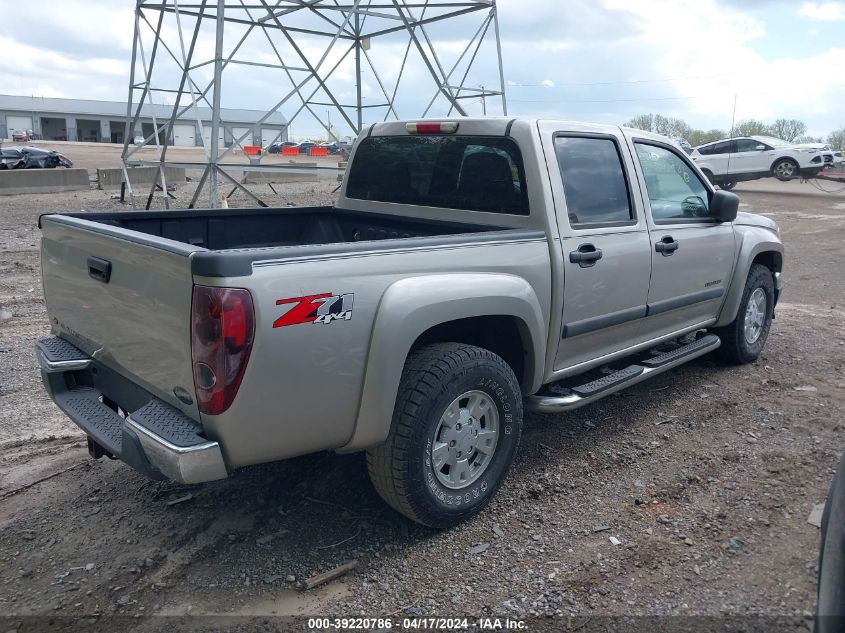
pixel 43 180
pixel 280 178
pixel 111 178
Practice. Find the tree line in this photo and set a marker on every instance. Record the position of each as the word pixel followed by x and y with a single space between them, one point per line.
pixel 791 130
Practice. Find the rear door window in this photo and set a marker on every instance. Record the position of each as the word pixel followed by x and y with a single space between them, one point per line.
pixel 476 173
pixel 594 182
pixel 723 147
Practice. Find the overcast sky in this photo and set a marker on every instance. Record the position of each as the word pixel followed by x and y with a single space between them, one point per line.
pixel 595 60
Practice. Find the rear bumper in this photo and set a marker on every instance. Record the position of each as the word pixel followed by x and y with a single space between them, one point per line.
pixel 124 421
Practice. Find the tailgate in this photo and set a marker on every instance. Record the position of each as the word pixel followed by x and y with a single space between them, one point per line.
pixel 124 298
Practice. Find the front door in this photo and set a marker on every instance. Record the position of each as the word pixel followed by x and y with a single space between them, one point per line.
pixel 604 238
pixel 692 253
pixel 750 157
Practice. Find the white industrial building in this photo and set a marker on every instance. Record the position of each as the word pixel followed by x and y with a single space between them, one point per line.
pixel 105 122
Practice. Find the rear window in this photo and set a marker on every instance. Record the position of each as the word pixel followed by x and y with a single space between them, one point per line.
pixel 476 173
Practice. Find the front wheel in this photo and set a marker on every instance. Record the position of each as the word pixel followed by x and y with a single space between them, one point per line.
pixel 785 169
pixel 744 338
pixel 455 430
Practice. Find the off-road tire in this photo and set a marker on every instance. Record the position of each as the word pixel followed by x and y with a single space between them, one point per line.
pixel 830 610
pixel 735 348
pixel 401 468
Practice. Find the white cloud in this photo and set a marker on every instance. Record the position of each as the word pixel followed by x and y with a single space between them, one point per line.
pixel 603 60
pixel 828 11
pixel 766 88
pixel 46 73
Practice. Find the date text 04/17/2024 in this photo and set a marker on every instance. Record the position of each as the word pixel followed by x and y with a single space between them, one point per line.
pixel 417 624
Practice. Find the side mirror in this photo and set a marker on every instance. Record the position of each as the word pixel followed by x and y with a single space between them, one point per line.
pixel 724 206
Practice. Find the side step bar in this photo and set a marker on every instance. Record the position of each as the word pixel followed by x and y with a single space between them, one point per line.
pixel 618 380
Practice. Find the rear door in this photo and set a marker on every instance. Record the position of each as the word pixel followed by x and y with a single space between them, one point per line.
pixel 692 254
pixel 715 157
pixel 604 237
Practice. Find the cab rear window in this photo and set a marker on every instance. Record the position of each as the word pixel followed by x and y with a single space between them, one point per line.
pixel 476 173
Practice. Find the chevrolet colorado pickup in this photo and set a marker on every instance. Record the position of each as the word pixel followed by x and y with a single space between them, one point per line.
pixel 470 269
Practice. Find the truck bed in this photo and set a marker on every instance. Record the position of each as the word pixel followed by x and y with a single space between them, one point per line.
pixel 119 285
pixel 226 229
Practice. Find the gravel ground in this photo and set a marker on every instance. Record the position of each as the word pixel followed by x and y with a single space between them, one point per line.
pixel 705 476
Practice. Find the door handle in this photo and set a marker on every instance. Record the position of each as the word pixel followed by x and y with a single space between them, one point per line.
pixel 587 255
pixel 666 246
pixel 99 269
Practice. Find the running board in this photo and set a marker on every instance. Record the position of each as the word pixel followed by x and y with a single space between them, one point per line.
pixel 618 380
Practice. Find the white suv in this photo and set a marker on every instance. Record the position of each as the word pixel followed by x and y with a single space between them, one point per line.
pixel 734 160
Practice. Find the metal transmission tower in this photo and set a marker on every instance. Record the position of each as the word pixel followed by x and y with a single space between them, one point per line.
pixel 361 60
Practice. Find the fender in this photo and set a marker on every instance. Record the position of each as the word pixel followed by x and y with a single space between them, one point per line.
pixel 755 240
pixel 413 305
pixel 791 157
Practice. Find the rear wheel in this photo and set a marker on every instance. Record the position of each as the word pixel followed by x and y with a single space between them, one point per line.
pixel 831 586
pixel 456 426
pixel 744 338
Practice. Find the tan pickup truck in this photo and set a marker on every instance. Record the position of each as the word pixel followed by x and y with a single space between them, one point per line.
pixel 470 269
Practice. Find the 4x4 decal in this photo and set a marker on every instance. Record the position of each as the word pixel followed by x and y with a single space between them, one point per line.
pixel 320 308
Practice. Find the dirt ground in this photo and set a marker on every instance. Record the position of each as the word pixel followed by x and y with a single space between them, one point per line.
pixel 705 475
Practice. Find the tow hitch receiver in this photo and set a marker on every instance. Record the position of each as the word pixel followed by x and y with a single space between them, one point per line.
pixel 96 451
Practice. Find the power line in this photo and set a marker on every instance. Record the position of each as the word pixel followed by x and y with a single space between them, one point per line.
pixel 637 99
pixel 603 100
pixel 613 83
pixel 639 81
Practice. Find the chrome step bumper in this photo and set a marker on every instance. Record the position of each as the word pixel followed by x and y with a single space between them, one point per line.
pixel 154 438
pixel 631 375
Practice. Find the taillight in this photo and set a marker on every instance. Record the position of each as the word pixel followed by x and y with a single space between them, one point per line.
pixel 222 330
pixel 432 127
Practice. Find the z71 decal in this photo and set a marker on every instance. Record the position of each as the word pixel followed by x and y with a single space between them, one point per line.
pixel 321 308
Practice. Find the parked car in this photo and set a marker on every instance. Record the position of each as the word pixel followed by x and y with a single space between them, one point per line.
pixel 837 158
pixel 21 136
pixel 11 157
pixel 416 319
pixel 276 148
pixel 331 148
pixel 32 158
pixel 344 150
pixel 684 145
pixel 734 160
pixel 40 158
